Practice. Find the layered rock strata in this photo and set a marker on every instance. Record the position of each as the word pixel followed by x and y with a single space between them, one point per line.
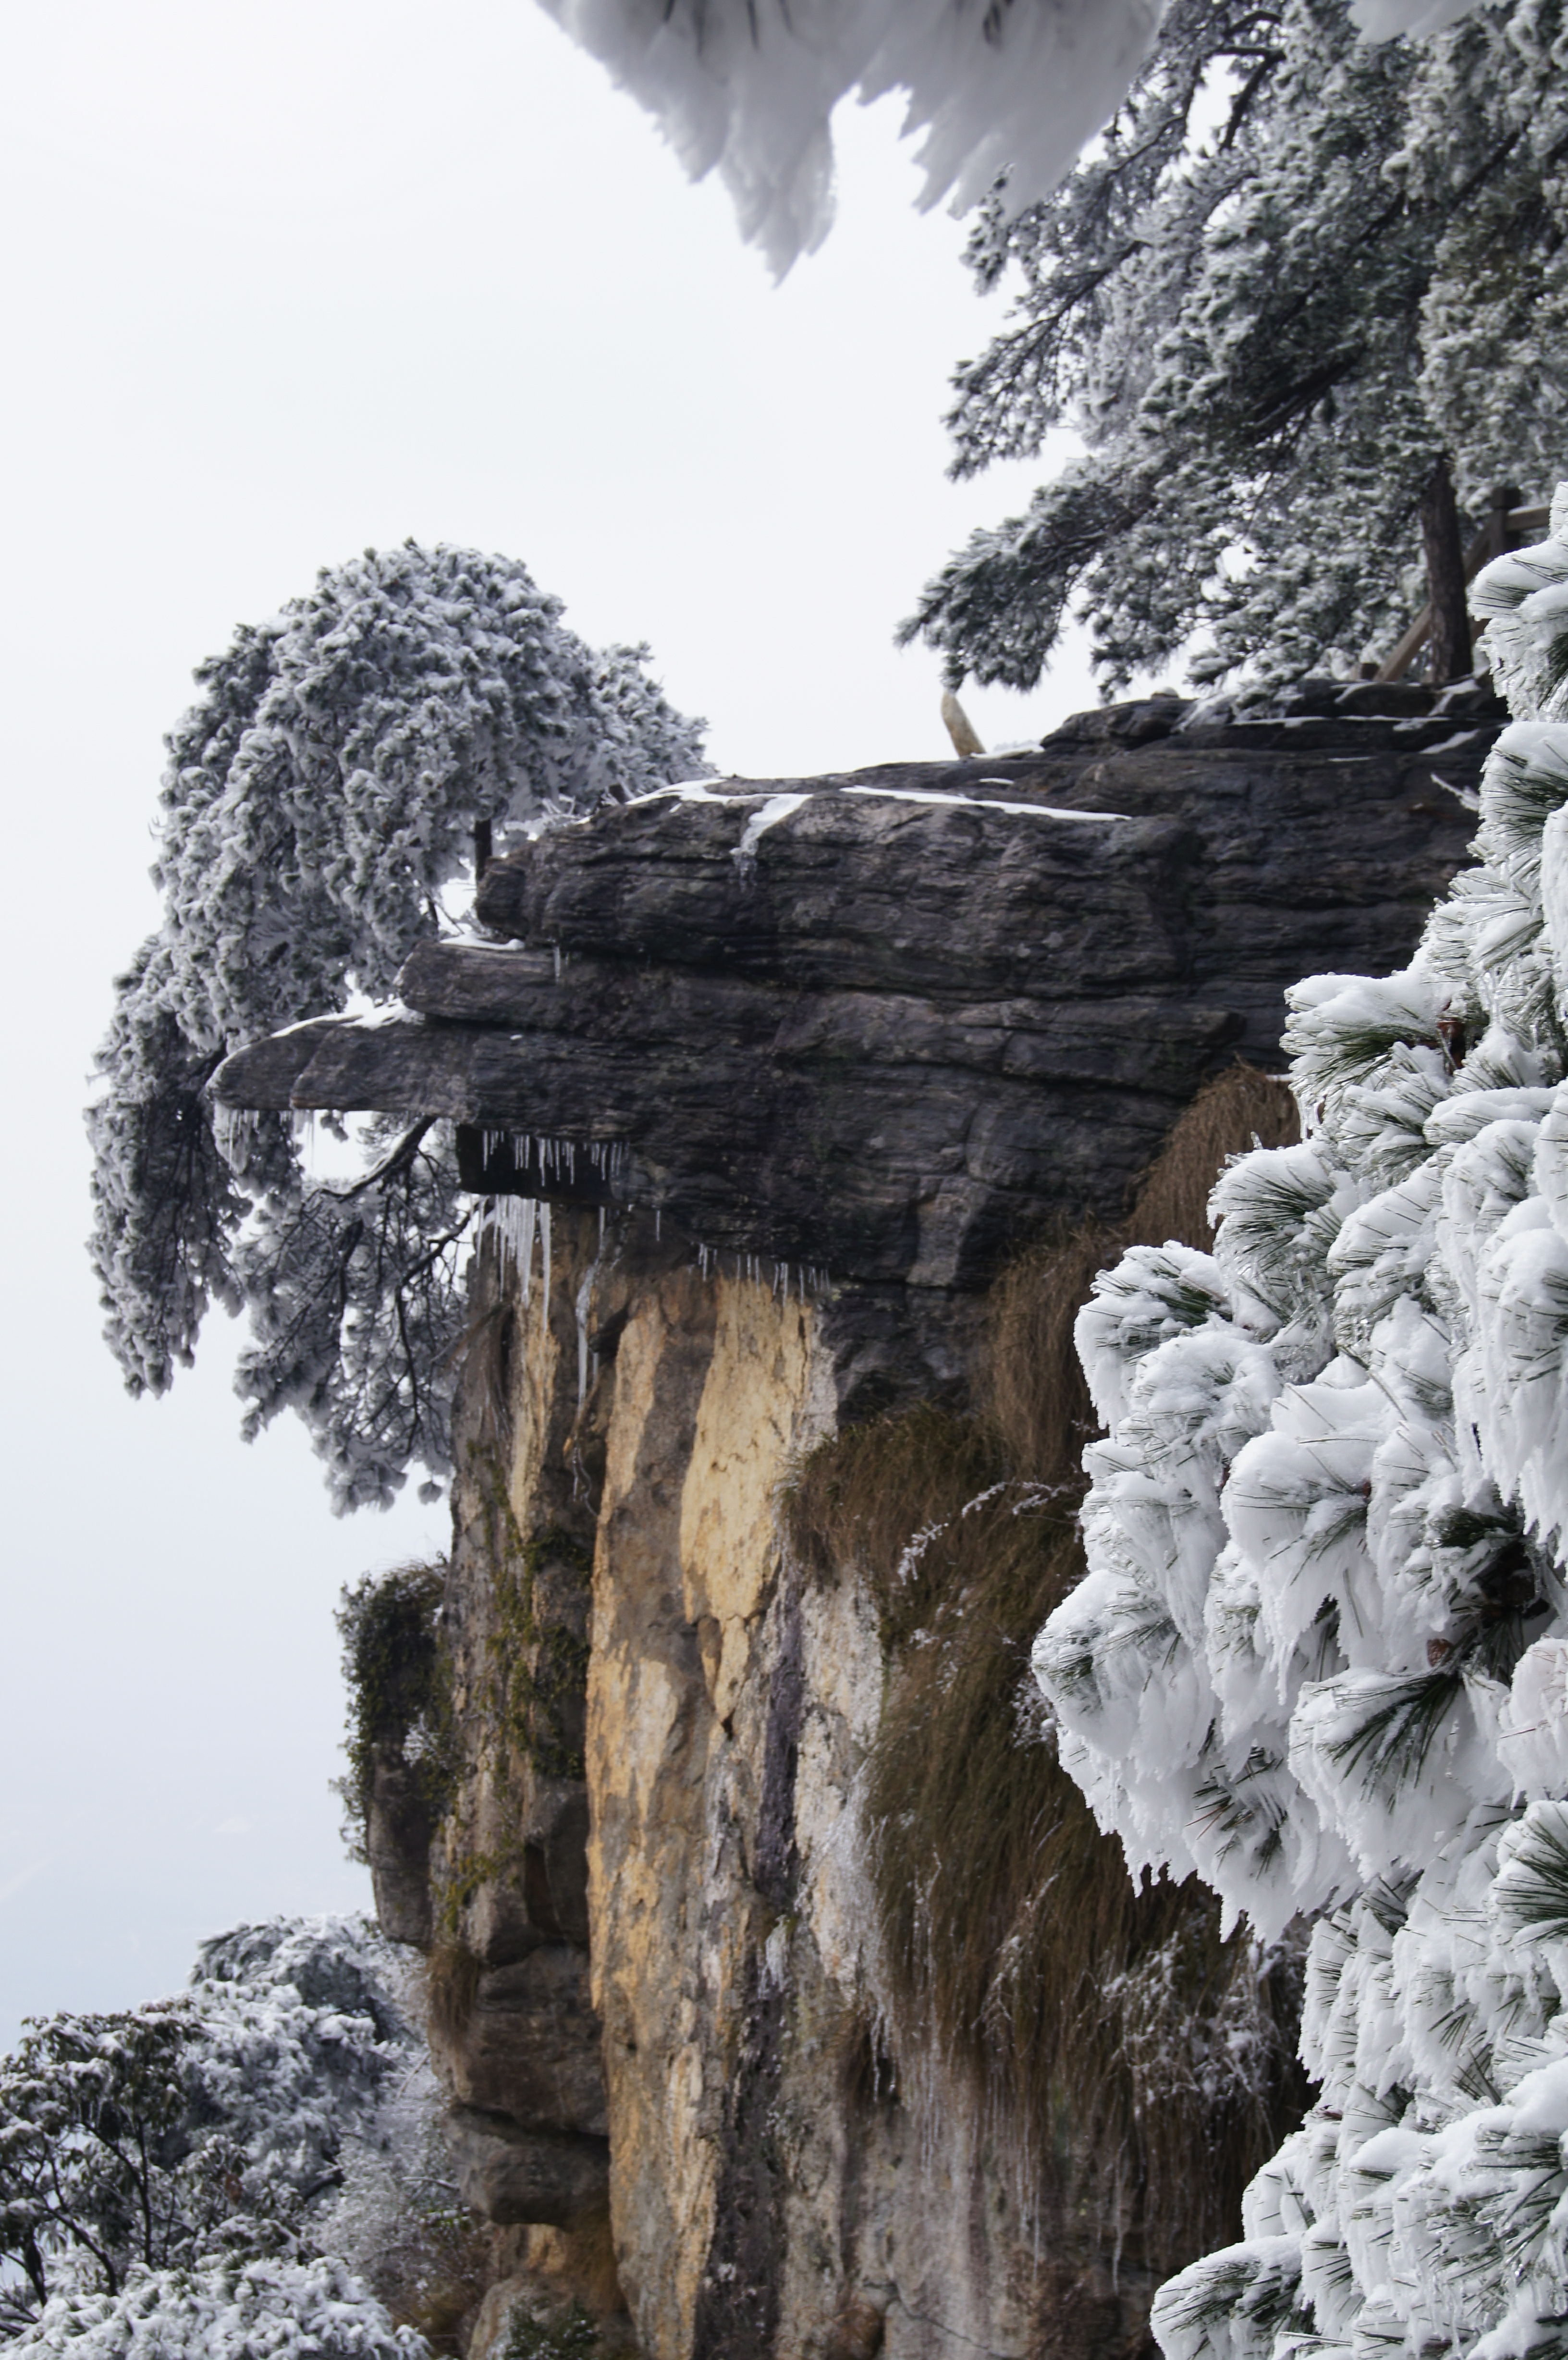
pixel 791 1067
pixel 887 1024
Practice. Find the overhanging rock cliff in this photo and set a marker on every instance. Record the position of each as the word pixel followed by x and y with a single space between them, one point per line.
pixel 886 1023
pixel 796 1065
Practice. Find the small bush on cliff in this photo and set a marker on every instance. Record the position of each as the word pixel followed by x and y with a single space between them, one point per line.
pixel 399 1700
pixel 568 2334
pixel 1112 2030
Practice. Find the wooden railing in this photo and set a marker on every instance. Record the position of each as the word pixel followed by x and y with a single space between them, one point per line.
pixel 1508 526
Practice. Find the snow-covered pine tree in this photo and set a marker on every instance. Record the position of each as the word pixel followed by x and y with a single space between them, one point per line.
pixel 996 86
pixel 318 801
pixel 189 2179
pixel 1320 1655
pixel 1302 282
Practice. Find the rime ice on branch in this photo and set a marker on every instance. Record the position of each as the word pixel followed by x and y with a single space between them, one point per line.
pixel 317 802
pixel 1304 290
pixel 201 2178
pixel 750 89
pixel 1322 1651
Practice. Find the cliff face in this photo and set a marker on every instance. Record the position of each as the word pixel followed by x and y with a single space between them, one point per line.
pixel 789 1069
pixel 783 2174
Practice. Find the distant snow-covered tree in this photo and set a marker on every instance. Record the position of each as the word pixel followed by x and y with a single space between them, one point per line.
pixel 1320 1655
pixel 223 2307
pixel 1014 86
pixel 318 801
pixel 178 2172
pixel 1305 289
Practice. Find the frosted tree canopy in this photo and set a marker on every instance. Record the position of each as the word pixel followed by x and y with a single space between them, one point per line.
pixel 202 2178
pixel 1320 1653
pixel 748 87
pixel 319 800
pixel 1303 285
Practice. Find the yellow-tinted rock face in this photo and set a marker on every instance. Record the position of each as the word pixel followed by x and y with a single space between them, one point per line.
pixel 712 1401
pixel 769 2190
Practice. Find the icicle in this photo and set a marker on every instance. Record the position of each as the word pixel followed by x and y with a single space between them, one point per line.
pixel 658 1222
pixel 601 1229
pixel 529 1226
pixel 583 1293
pixel 556 947
pixel 232 1128
pixel 513 1221
pixel 544 1256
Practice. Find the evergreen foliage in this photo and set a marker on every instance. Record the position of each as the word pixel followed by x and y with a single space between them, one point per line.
pixel 173 2178
pixel 398 1689
pixel 317 802
pixel 1321 1653
pixel 748 87
pixel 1270 330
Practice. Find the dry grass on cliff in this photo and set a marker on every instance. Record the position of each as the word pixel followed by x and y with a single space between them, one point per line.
pixel 1240 1108
pixel 865 1497
pixel 1101 2023
pixel 1033 1393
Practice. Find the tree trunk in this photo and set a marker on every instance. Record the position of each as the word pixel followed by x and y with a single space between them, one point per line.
pixel 1446 578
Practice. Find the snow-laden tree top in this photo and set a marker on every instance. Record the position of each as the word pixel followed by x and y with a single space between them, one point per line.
pixel 1302 285
pixel 172 2178
pixel 748 87
pixel 317 802
pixel 1320 1655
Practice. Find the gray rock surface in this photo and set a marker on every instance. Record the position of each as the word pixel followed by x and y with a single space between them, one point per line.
pixel 530 2048
pixel 399 1824
pixel 512 2175
pixel 887 1024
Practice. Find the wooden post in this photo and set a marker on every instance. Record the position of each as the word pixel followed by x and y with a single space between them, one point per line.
pixel 1506 526
pixel 482 839
pixel 1501 500
pixel 1446 578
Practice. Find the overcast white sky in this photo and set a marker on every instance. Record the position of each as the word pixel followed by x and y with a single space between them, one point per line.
pixel 282 281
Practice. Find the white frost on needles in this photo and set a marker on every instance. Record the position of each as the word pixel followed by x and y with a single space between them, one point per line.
pixel 748 87
pixel 1320 1655
pixel 218 2177
pixel 224 2309
pixel 317 802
